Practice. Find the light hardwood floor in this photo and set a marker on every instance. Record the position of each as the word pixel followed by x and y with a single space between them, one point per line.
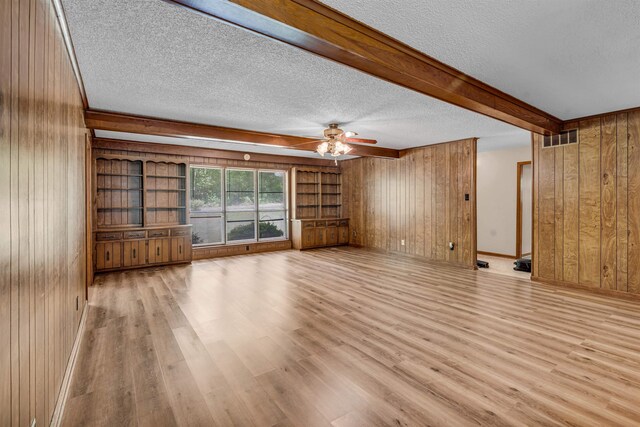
pixel 501 265
pixel 350 337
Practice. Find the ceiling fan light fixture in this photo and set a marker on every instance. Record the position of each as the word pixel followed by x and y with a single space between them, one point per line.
pixel 323 148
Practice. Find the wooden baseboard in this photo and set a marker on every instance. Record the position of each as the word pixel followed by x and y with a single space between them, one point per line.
pixel 496 254
pixel 206 252
pixel 58 412
pixel 599 291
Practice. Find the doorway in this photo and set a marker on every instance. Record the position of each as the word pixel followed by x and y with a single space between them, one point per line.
pixel 524 209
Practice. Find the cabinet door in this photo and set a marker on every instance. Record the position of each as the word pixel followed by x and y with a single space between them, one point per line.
pixel 158 251
pixel 332 236
pixel 108 255
pixel 180 249
pixel 134 252
pixel 343 235
pixel 321 236
pixel 308 237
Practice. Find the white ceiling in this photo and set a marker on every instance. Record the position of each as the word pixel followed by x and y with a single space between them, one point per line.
pixel 570 58
pixel 156 59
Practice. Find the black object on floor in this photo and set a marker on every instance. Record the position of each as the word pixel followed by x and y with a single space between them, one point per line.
pixel 482 264
pixel 523 264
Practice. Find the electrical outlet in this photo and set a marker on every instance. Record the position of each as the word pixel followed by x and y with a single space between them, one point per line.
pixel 402 242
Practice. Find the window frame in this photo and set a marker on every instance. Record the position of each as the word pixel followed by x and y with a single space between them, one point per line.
pixel 224 210
pixel 285 206
pixel 221 214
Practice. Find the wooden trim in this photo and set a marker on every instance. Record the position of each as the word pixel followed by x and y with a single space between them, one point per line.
pixel 319 29
pixel 497 255
pixel 208 252
pixel 118 122
pixel 588 289
pixel 58 412
pixel 179 150
pixel 574 123
pixel 519 209
pixel 66 36
pixel 474 206
pixel 89 191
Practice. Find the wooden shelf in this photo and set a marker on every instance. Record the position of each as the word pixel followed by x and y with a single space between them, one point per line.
pixel 167 189
pixel 118 174
pixel 166 207
pixel 167 176
pixel 119 189
pixel 120 208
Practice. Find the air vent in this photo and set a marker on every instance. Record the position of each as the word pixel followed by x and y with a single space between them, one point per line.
pixel 563 138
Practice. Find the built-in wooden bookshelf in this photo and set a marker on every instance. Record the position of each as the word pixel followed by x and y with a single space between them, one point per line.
pixel 316 209
pixel 119 193
pixel 140 213
pixel 166 193
pixel 316 194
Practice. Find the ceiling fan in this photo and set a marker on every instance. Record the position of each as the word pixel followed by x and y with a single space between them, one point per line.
pixel 336 141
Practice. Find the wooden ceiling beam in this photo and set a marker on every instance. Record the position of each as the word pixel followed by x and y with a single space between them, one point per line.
pixel 117 122
pixel 317 28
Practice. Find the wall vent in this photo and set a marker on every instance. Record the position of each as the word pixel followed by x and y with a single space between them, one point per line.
pixel 563 138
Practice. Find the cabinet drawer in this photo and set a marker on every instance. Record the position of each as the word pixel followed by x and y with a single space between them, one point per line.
pixel 135 234
pixel 113 235
pixel 332 223
pixel 158 233
pixel 308 224
pixel 321 223
pixel 343 222
pixel 180 232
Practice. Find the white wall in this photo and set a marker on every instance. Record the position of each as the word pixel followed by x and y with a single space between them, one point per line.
pixel 497 194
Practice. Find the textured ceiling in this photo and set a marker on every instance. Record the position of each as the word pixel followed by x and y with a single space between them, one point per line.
pixel 156 59
pixel 570 58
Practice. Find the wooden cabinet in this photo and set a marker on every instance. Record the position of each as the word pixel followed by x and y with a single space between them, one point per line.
pixel 307 234
pixel 343 235
pixel 331 234
pixel 180 246
pixel 121 249
pixel 140 212
pixel 134 253
pixel 108 255
pixel 158 251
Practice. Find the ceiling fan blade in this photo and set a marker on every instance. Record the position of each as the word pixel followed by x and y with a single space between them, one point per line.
pixel 360 141
pixel 315 141
pixel 312 145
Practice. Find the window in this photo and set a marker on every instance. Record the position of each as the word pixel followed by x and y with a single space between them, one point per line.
pixel 248 205
pixel 271 204
pixel 207 213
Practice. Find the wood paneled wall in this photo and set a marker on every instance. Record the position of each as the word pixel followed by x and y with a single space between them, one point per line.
pixel 587 206
pixel 419 198
pixel 42 214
